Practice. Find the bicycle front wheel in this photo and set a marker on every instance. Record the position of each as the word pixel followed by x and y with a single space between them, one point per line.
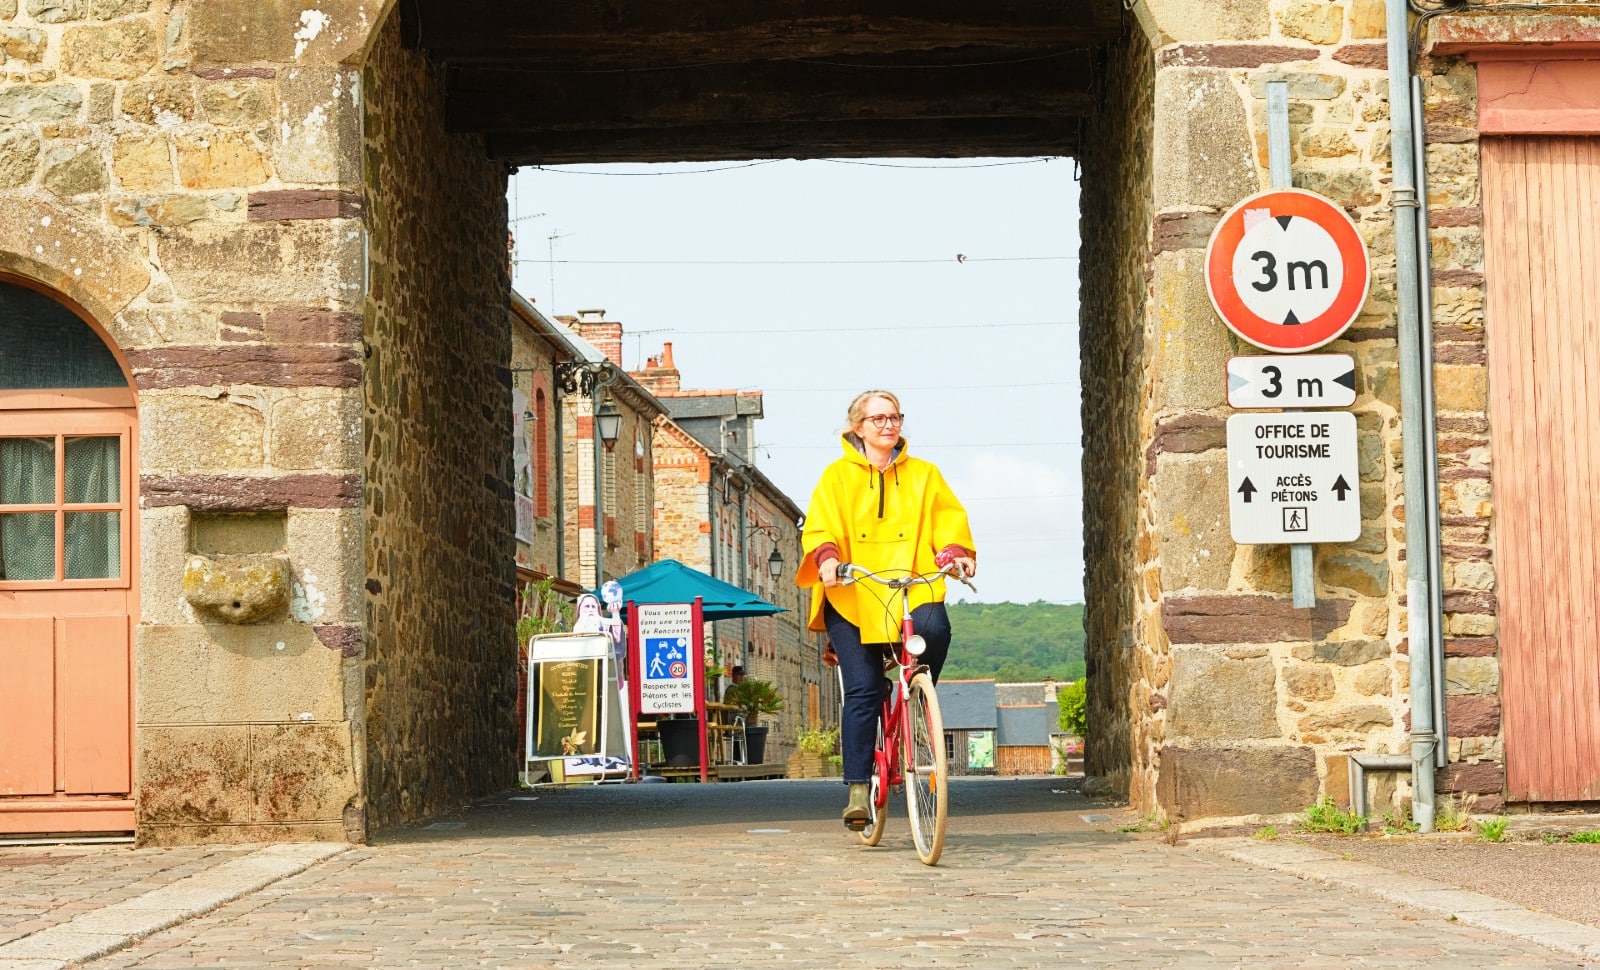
pixel 927 781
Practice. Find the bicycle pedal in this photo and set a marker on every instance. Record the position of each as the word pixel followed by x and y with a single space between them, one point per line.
pixel 856 824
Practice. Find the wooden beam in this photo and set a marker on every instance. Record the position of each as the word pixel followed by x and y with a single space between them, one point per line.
pixel 1053 85
pixel 941 138
pixel 653 32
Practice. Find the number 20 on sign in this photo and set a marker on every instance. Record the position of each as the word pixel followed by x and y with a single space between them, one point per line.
pixel 1287 270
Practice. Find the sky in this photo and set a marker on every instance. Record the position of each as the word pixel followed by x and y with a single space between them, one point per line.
pixel 951 283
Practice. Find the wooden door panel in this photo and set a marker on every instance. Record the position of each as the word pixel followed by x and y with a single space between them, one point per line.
pixel 92 683
pixel 27 706
pixel 1541 202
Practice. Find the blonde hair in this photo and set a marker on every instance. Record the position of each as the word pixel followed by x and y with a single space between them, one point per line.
pixel 858 406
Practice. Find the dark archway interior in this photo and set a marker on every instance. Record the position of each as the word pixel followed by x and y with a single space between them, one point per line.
pixel 641 81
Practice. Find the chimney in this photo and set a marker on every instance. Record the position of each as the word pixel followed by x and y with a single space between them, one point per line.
pixel 606 335
pixel 660 376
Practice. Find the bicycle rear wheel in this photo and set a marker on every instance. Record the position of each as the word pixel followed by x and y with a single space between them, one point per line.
pixel 927 780
pixel 873 833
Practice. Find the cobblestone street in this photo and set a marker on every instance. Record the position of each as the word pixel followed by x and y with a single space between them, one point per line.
pixel 692 875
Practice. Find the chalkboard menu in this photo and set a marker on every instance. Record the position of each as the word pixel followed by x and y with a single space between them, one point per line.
pixel 567 722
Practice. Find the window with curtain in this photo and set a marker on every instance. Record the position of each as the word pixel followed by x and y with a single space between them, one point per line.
pixel 60 494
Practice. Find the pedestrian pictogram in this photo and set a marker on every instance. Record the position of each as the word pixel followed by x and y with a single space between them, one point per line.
pixel 1287 270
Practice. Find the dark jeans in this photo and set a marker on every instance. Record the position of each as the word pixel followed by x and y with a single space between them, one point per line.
pixel 865 687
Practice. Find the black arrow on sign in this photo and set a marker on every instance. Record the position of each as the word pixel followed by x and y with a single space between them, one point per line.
pixel 1283 221
pixel 1247 490
pixel 1341 486
pixel 1290 320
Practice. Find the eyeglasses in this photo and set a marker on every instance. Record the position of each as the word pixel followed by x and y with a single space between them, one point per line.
pixel 880 420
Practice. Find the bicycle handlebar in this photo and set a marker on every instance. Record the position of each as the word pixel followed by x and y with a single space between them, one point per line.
pixel 849 572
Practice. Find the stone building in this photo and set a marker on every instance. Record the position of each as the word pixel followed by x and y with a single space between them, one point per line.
pixel 717 512
pixel 252 278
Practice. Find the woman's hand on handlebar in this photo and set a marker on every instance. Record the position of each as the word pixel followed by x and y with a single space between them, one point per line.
pixel 828 569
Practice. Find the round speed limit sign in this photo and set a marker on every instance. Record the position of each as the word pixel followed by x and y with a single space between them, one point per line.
pixel 1287 270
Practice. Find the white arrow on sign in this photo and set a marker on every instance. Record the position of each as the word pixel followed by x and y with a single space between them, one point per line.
pixel 1299 381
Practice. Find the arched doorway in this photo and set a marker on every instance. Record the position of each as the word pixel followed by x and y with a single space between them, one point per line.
pixel 68 584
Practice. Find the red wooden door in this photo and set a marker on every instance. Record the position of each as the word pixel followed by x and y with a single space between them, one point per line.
pixel 66 596
pixel 1541 206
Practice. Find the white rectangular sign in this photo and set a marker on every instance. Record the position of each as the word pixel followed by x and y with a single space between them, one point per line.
pixel 1292 381
pixel 1293 478
pixel 666 658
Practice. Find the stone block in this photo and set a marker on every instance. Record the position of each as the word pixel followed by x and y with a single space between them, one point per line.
pixel 1368 19
pixel 69 170
pixel 250 493
pixel 1482 778
pixel 227 32
pixel 164 102
pixel 121 50
pixel 39 103
pixel 1336 780
pixel 55 245
pixel 1319 23
pixel 1213 698
pixel 301 772
pixel 112 9
pixel 1208 782
pixel 1364 574
pixel 1267 569
pixel 219 160
pixel 1196 547
pixel 1372 681
pixel 1348 186
pixel 1309 683
pixel 1303 85
pixel 325 547
pixel 315 430
pixel 163 552
pixel 319 118
pixel 192 774
pixel 56 11
pixel 1345 653
pixel 158 210
pixel 278 673
pixel 1472 715
pixel 1346 722
pixel 1461 388
pixel 1327 142
pixel 22 44
pixel 142 163
pixel 1191 340
pixel 1203 20
pixel 240 535
pixel 19 158
pixel 1472 675
pixel 1473 575
pixel 1246 618
pixel 307 263
pixel 8 9
pixel 144 325
pixel 237 102
pixel 190 433
pixel 1203 154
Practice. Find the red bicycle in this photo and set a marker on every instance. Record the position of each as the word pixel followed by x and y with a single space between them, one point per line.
pixel 910 750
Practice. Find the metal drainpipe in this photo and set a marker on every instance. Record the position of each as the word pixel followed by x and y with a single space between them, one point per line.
pixel 1430 416
pixel 600 384
pixel 558 420
pixel 1413 427
pixel 744 573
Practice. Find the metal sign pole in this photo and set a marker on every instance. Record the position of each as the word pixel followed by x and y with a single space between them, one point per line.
pixel 1282 175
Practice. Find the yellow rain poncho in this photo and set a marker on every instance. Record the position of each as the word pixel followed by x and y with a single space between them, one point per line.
pixel 896 519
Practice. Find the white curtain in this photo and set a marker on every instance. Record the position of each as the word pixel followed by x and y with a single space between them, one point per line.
pixel 27 539
pixel 94 539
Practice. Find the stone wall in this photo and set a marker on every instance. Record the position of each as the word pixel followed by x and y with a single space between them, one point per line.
pixel 1242 705
pixel 207 216
pixel 538 493
pixel 440 646
pixel 1115 226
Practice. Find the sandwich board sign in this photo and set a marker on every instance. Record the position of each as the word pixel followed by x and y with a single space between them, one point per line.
pixel 1293 478
pixel 1286 270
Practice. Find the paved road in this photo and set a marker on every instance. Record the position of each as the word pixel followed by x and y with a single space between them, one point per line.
pixel 759 872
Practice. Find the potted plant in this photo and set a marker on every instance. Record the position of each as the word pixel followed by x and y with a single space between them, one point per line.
pixel 817 744
pixel 754 698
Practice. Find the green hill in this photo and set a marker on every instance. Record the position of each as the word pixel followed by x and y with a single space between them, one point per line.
pixel 1015 641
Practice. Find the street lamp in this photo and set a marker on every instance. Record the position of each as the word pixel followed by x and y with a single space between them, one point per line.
pixel 775 564
pixel 609 422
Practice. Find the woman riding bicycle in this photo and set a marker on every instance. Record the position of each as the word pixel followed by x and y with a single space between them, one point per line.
pixel 881 509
